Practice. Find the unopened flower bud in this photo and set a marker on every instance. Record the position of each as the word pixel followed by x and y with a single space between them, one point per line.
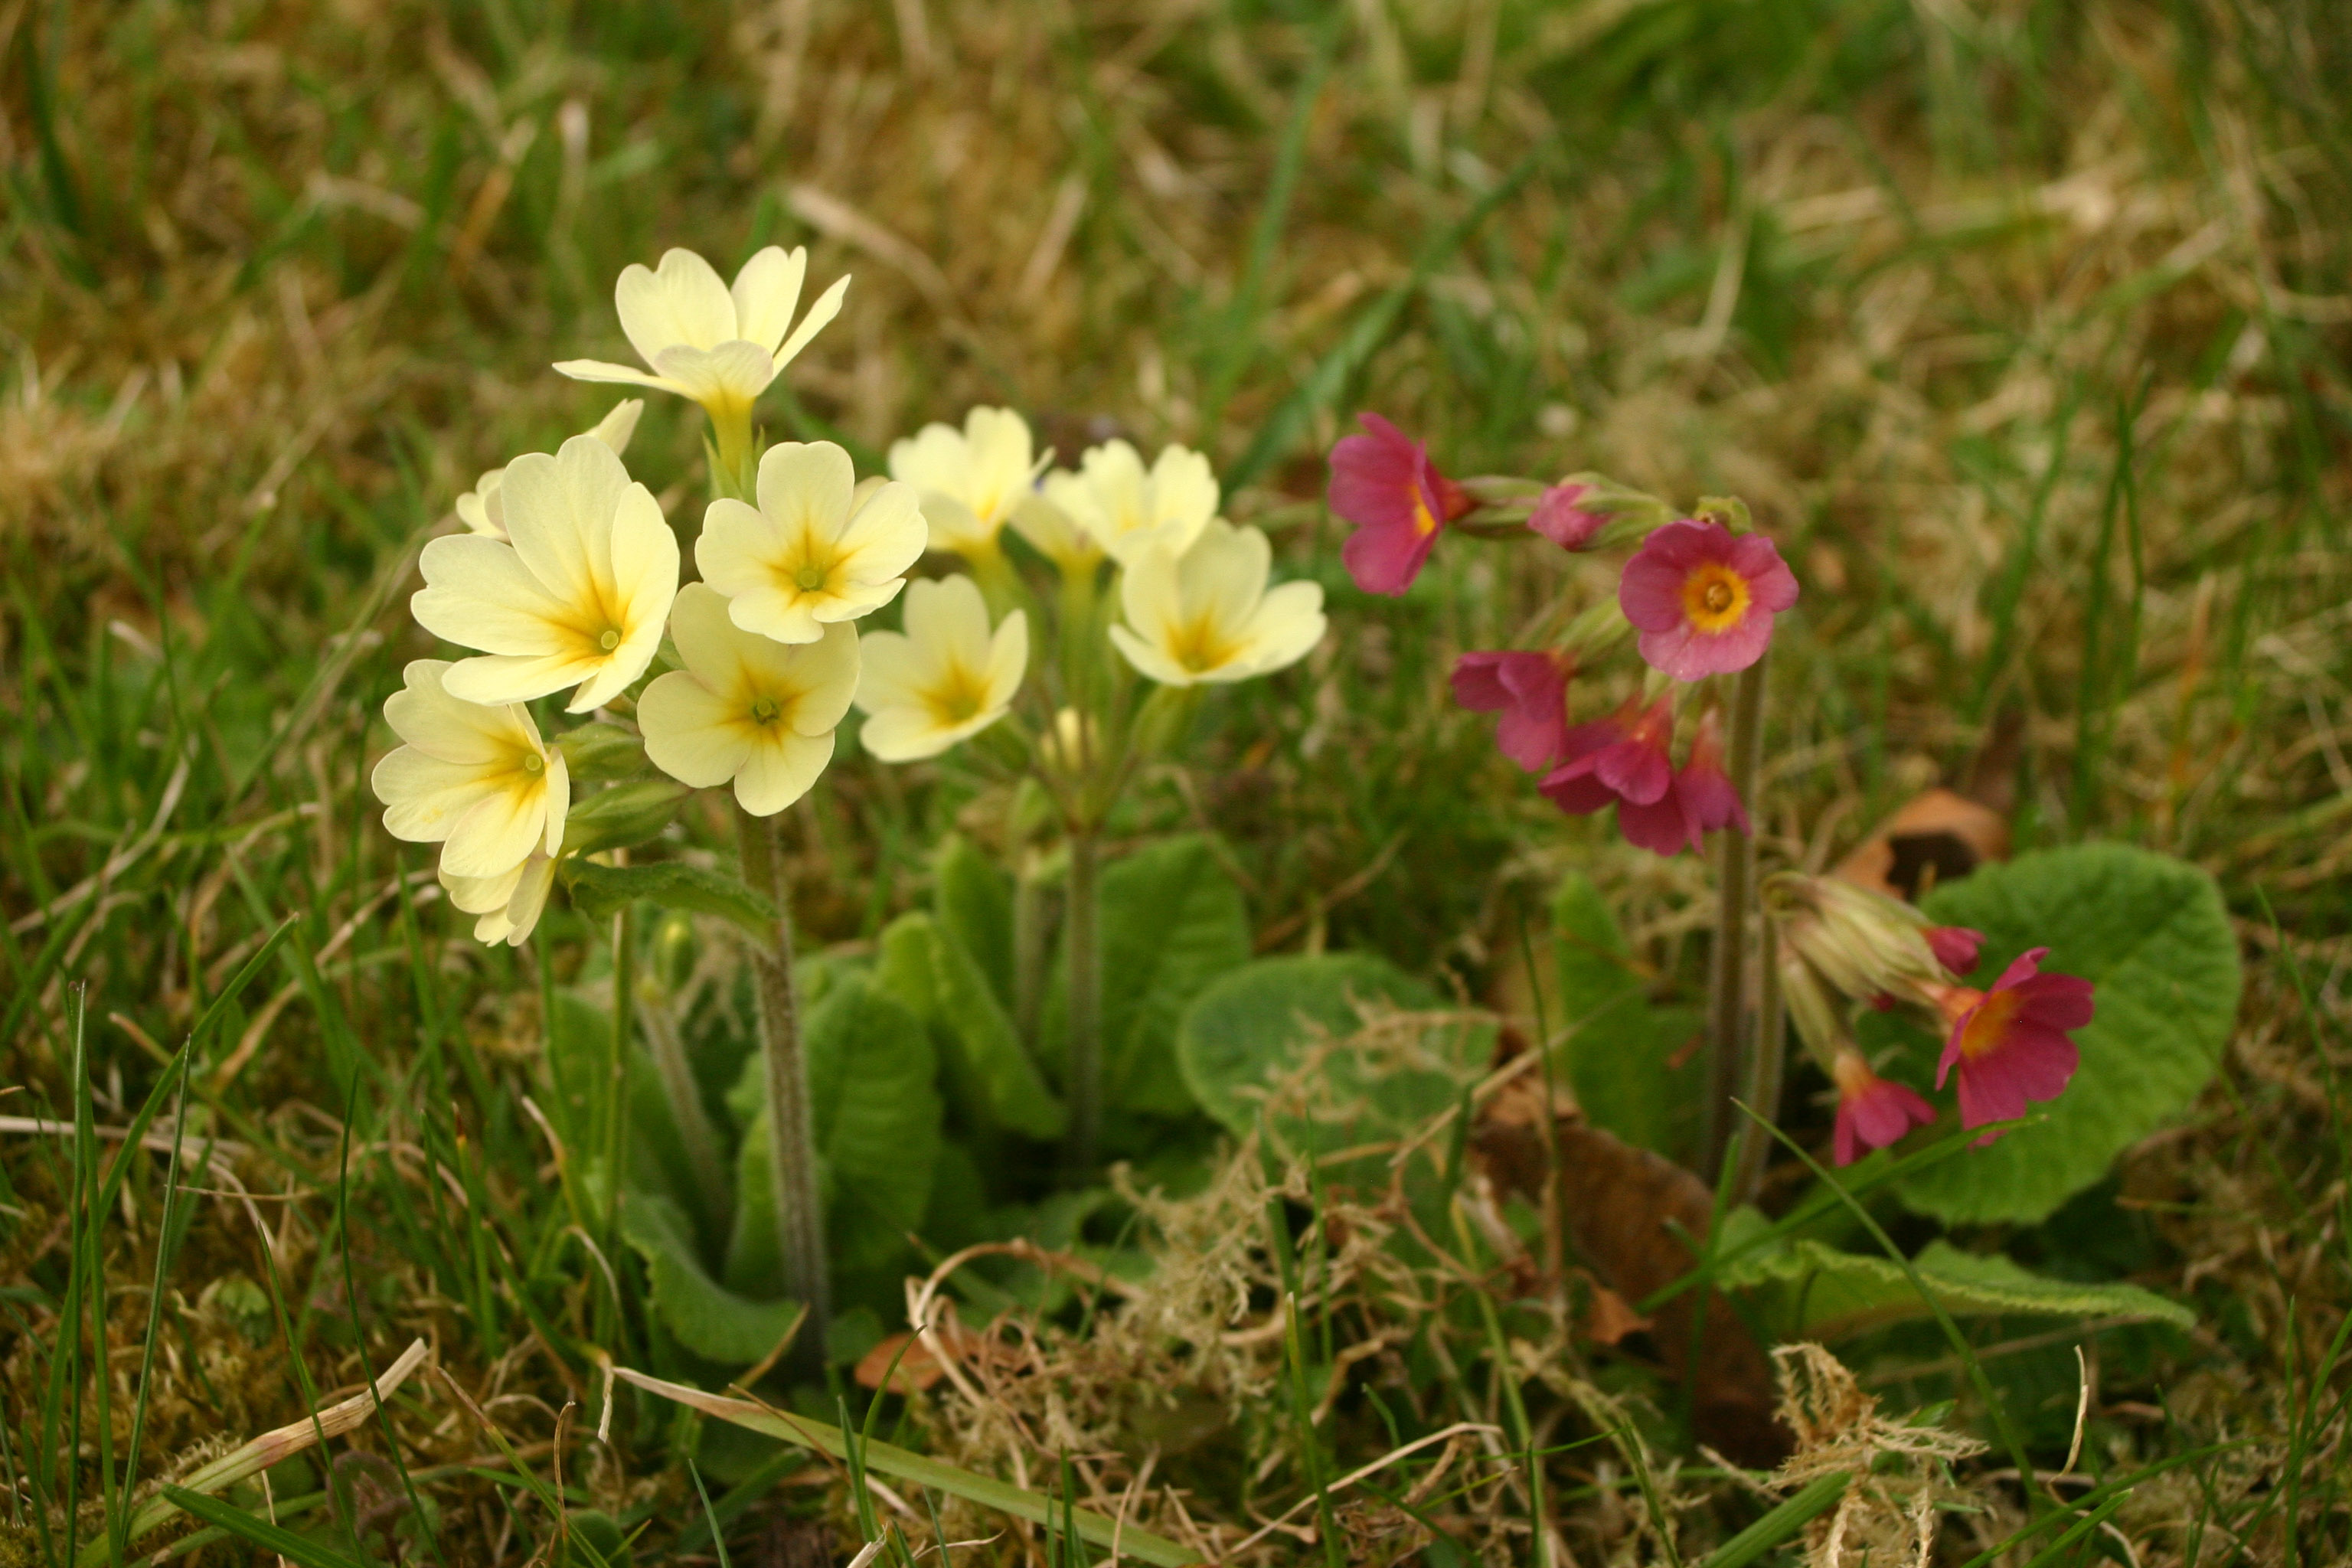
pixel 601 753
pixel 1819 1019
pixel 1863 944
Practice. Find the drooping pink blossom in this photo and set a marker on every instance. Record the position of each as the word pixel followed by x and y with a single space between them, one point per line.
pixel 1530 691
pixel 1625 759
pixel 2010 1043
pixel 1384 482
pixel 1560 517
pixel 1703 598
pixel 1873 1111
pixel 1622 758
pixel 1955 947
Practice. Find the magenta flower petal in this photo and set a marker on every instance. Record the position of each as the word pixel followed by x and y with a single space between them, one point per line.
pixel 1956 947
pixel 2010 1043
pixel 1530 691
pixel 1873 1112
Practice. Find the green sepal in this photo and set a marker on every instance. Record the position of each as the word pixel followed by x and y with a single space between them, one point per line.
pixel 622 817
pixel 602 891
pixel 601 753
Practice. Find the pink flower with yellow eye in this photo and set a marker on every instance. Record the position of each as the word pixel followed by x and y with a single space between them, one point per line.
pixel 1703 598
pixel 1385 483
pixel 2010 1043
pixel 1530 691
pixel 1873 1111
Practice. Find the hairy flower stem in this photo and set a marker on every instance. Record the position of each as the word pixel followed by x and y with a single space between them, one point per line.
pixel 791 1122
pixel 1085 940
pixel 1768 1071
pixel 616 1080
pixel 1031 928
pixel 1729 1012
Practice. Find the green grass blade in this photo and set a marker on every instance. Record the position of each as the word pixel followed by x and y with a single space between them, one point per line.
pixel 1790 1515
pixel 258 1532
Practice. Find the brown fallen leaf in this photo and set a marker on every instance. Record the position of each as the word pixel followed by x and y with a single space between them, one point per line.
pixel 1609 1316
pixel 1937 836
pixel 1620 1205
pixel 916 1370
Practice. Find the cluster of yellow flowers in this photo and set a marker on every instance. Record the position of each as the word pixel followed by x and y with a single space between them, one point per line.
pixel 567 578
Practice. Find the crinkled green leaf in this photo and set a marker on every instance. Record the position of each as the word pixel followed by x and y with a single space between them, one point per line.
pixel 601 891
pixel 2152 935
pixel 1625 1057
pixel 707 1318
pixel 1251 1027
pixel 972 899
pixel 1172 921
pixel 873 1090
pixel 928 969
pixel 1820 1292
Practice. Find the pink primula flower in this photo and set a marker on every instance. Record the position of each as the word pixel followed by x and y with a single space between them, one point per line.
pixel 1560 517
pixel 1704 599
pixel 1872 1112
pixel 1385 483
pixel 2010 1043
pixel 1530 691
pixel 1955 948
pixel 1624 759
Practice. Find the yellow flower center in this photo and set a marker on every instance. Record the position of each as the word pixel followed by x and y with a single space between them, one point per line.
pixel 1715 597
pixel 532 762
pixel 610 640
pixel 1424 521
pixel 810 572
pixel 1202 644
pixel 765 709
pixel 1989 1027
pixel 958 696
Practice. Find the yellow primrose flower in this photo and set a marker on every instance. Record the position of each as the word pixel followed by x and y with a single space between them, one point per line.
pixel 971 479
pixel 947 679
pixel 809 554
pixel 747 707
pixel 1208 615
pixel 575 596
pixel 481 510
pixel 472 778
pixel 1055 533
pixel 1127 510
pixel 509 905
pixel 718 345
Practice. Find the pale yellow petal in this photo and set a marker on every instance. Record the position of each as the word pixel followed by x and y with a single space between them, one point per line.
pixel 737 548
pixel 820 677
pixel 805 487
pixel 884 535
pixel 780 768
pixel 691 732
pixel 423 797
pixel 1148 661
pixel 616 428
pixel 644 567
pixel 498 832
pixel 424 714
pixel 708 641
pixel 891 672
pixel 827 306
pixel 683 303
pixel 620 375
pixel 1288 624
pixel 519 677
pixel 766 293
pixel 905 734
pixel 530 901
pixel 478 594
pixel 733 372
pixel 1008 660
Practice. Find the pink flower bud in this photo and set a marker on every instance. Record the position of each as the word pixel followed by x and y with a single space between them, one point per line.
pixel 1559 517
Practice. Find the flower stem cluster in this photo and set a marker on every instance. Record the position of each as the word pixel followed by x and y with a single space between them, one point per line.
pixel 1701 596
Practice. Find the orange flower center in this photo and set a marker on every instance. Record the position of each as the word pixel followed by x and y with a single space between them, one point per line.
pixel 1422 521
pixel 1715 597
pixel 1990 1026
